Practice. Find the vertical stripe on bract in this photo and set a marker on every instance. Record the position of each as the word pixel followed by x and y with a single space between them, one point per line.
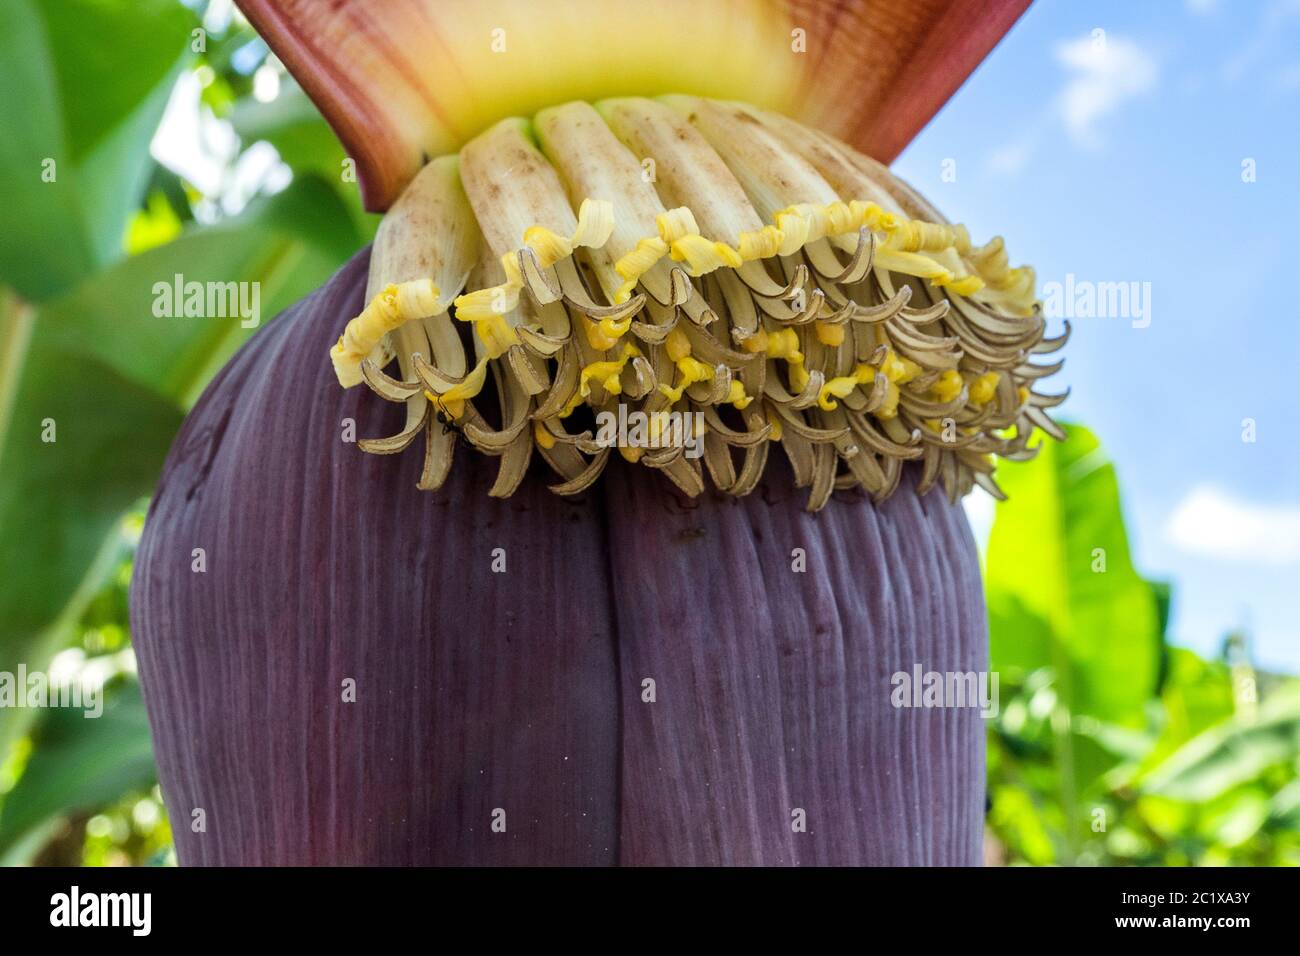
pixel 773 687
pixel 474 690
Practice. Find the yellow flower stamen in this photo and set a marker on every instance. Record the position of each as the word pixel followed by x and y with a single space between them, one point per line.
pixel 607 373
pixel 984 387
pixel 453 400
pixel 828 334
pixel 543 436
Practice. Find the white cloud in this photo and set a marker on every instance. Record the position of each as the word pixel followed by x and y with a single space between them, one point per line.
pixel 1105 72
pixel 1213 523
pixel 1102 72
pixel 1288 78
pixel 1010 158
pixel 1272 34
pixel 1202 7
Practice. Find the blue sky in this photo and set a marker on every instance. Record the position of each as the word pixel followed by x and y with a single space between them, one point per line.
pixel 1109 140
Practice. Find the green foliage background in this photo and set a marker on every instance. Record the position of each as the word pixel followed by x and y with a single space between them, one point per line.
pixel 93 223
pixel 1111 746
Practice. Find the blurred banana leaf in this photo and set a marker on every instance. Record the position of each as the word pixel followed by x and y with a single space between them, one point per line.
pixel 1231 753
pixel 1062 591
pixel 1076 635
pixel 85 84
pixel 1113 747
pixel 1197 695
pixel 292 124
pixel 110 382
pixel 94 380
pixel 80 763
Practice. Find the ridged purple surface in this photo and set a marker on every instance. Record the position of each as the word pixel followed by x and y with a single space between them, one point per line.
pixel 774 686
pixel 523 691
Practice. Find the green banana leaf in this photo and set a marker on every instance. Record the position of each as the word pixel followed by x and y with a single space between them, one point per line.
pixel 80 762
pixel 1073 624
pixel 110 382
pixel 1062 591
pixel 1231 753
pixel 85 84
pixel 94 382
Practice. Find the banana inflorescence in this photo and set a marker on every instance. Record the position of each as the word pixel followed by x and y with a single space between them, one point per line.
pixel 689 255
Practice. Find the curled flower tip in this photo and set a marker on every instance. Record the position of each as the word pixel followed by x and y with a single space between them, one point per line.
pixel 395 305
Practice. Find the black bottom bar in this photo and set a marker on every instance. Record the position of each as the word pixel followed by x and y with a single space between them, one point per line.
pixel 334 905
